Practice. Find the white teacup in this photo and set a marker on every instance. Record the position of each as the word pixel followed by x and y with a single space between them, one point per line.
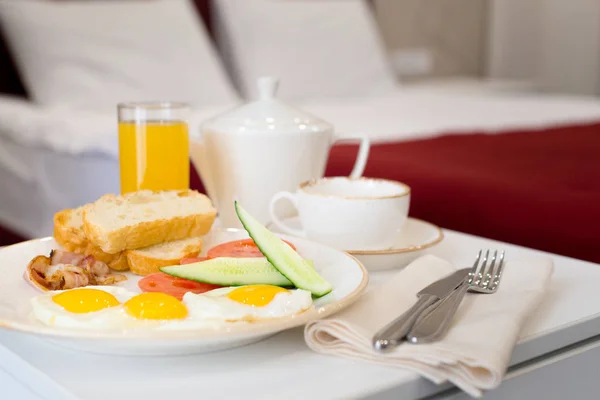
pixel 346 213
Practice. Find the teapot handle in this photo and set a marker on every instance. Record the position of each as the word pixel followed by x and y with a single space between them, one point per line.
pixel 363 152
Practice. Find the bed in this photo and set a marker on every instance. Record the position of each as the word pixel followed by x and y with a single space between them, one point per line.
pixel 518 167
pixel 538 188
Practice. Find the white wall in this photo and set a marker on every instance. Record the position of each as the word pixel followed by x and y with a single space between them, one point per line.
pixel 449 32
pixel 555 43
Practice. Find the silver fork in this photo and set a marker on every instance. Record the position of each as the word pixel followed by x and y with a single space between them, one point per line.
pixel 433 324
pixel 486 279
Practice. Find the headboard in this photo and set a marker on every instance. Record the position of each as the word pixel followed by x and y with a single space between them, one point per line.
pixel 10 82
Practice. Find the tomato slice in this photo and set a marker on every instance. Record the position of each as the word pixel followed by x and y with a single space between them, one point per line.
pixel 176 287
pixel 191 260
pixel 238 248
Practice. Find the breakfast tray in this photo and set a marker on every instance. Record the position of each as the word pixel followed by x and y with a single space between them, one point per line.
pixel 283 364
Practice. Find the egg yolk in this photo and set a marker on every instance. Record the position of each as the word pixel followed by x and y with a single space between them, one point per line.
pixel 155 305
pixel 255 295
pixel 82 301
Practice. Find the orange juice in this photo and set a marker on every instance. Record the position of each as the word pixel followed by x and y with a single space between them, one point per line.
pixel 154 155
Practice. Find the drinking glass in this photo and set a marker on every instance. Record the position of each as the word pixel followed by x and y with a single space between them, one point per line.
pixel 153 146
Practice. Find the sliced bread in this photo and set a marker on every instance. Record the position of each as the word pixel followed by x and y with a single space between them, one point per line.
pixel 69 234
pixel 145 218
pixel 147 261
pixel 68 230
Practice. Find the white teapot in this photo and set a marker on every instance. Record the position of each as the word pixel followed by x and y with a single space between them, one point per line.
pixel 262 148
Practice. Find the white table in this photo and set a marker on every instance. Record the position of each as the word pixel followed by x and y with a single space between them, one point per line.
pixel 558 338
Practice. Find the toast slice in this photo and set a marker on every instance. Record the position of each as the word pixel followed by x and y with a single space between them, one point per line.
pixel 69 234
pixel 145 218
pixel 68 230
pixel 147 261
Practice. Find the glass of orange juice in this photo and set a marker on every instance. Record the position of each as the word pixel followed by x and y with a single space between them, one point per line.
pixel 153 146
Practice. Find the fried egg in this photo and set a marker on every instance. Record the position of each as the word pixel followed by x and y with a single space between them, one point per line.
pixel 110 308
pixel 248 303
pixel 91 307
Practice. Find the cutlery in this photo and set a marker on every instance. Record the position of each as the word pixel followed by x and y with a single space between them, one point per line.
pixel 390 335
pixel 434 322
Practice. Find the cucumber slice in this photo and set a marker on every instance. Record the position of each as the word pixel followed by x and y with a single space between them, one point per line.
pixel 229 271
pixel 299 271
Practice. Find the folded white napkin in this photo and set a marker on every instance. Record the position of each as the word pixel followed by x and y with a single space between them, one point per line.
pixel 475 353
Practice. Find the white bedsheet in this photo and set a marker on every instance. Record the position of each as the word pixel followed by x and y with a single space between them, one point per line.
pixel 418 113
pixel 43 170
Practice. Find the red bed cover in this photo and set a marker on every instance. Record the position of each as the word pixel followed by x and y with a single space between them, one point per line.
pixel 539 189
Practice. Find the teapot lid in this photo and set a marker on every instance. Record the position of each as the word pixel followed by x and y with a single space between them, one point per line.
pixel 267 114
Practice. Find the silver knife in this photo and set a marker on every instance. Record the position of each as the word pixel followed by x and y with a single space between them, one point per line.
pixel 433 324
pixel 390 335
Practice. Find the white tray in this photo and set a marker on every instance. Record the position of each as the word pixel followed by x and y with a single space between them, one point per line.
pixel 283 365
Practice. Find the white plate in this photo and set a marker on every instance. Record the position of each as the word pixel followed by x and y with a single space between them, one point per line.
pixel 412 241
pixel 346 274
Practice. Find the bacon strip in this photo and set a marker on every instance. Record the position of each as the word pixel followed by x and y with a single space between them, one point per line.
pixel 65 270
pixel 65 257
pixel 68 276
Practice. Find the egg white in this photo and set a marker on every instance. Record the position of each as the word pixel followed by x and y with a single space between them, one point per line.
pixel 208 310
pixel 52 314
pixel 216 306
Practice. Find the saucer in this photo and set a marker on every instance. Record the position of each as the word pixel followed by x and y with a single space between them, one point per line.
pixel 415 237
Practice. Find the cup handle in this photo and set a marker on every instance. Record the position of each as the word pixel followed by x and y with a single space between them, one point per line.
pixel 363 152
pixel 276 221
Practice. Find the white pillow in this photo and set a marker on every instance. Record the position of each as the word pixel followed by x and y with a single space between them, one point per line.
pixel 324 48
pixel 94 54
